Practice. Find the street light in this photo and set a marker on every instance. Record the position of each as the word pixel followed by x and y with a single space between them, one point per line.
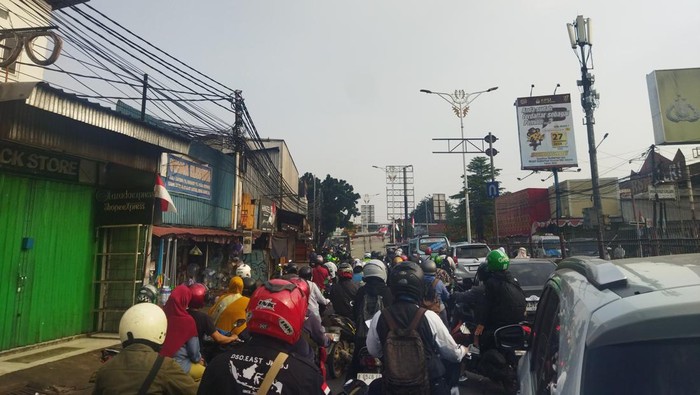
pixel 460 101
pixel 580 36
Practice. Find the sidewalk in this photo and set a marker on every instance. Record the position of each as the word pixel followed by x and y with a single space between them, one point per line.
pixel 56 368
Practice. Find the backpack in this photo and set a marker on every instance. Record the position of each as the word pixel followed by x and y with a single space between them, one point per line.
pixel 405 370
pixel 431 301
pixel 370 306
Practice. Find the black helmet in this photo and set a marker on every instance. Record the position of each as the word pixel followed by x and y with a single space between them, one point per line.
pixel 305 272
pixel 248 286
pixel 482 273
pixel 407 280
pixel 428 266
pixel 290 268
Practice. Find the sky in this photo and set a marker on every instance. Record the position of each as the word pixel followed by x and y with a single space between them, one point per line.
pixel 339 81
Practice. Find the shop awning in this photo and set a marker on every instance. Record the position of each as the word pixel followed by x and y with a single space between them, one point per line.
pixel 197 234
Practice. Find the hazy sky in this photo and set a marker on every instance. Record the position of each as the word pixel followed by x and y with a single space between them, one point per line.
pixel 340 80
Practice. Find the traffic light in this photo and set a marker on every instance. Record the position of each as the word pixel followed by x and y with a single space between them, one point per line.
pixel 490 138
pixel 491 152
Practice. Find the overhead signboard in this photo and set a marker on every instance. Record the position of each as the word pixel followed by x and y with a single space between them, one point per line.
pixel 188 177
pixel 546 132
pixel 664 192
pixel 674 98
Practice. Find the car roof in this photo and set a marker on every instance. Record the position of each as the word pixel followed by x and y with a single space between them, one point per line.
pixel 525 261
pixel 637 299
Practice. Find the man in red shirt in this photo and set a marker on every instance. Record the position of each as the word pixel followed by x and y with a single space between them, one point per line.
pixel 320 274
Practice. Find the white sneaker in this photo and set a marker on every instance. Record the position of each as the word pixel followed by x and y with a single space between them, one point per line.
pixel 473 349
pixel 454 391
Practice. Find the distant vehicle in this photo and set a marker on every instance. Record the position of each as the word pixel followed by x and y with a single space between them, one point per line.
pixel 582 247
pixel 532 274
pixel 468 257
pixel 546 246
pixel 620 327
pixel 418 245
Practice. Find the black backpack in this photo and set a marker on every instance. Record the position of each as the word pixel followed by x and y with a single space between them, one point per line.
pixel 404 364
pixel 370 305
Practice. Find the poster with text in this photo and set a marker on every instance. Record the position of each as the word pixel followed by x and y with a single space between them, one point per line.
pixel 546 132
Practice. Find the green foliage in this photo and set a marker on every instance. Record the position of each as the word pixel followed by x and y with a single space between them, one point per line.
pixel 335 203
pixel 480 206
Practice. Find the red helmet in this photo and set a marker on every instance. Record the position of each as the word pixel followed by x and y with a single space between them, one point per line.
pixel 199 294
pixel 277 309
pixel 428 250
pixel 302 284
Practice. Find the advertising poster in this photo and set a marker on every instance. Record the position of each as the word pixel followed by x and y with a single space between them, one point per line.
pixel 546 132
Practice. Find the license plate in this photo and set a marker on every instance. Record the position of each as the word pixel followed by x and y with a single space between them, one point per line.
pixel 368 377
pixel 531 307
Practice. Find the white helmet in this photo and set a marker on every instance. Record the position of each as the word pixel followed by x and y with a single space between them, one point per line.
pixel 144 323
pixel 332 268
pixel 368 255
pixel 243 270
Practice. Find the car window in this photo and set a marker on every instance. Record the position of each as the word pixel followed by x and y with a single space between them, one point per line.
pixel 532 273
pixel 666 366
pixel 435 243
pixel 545 346
pixel 472 252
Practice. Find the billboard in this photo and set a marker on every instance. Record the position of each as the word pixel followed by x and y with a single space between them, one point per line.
pixel 674 98
pixel 546 132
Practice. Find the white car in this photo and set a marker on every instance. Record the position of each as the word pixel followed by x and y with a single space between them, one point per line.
pixel 468 257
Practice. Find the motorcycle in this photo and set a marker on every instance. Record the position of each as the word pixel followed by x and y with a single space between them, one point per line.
pixel 341 330
pixel 370 369
pixel 498 363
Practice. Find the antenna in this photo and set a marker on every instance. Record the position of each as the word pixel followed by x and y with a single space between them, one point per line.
pixel 531 86
pixel 555 89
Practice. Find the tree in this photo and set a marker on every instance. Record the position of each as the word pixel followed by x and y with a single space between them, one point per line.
pixel 481 207
pixel 332 205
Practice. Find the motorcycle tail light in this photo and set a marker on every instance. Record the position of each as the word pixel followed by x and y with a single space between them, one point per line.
pixel 370 362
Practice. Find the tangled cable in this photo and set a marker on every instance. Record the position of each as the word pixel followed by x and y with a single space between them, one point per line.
pixel 26 40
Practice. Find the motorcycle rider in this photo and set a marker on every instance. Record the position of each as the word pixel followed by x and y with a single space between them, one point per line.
pixel 316 297
pixel 435 287
pixel 370 298
pixel 504 300
pixel 276 317
pixel 182 340
pixel 343 293
pixel 320 275
pixel 407 286
pixel 209 336
pixel 230 307
pixel 142 331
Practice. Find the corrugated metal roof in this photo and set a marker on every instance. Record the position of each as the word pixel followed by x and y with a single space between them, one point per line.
pixel 58 4
pixel 69 105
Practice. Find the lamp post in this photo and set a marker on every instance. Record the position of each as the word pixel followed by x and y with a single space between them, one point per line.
pixel 580 36
pixel 460 101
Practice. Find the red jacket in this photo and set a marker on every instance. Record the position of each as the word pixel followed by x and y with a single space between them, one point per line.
pixel 320 276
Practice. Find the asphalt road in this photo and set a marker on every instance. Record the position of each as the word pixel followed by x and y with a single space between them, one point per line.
pixel 475 385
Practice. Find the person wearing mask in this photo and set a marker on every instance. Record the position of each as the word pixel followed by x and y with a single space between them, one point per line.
pixel 407 287
pixel 230 308
pixel 182 341
pixel 522 253
pixel 343 293
pixel 265 364
pixel 373 296
pixel 504 300
pixel 142 331
pixel 209 337
pixel 316 297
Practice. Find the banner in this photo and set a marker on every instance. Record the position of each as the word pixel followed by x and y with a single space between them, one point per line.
pixel 674 97
pixel 546 132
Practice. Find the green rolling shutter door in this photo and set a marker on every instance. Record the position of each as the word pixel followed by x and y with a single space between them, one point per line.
pixel 46 288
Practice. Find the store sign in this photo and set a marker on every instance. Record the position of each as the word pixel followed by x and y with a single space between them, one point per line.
pixel 664 192
pixel 674 96
pixel 188 177
pixel 546 132
pixel 124 206
pixel 14 157
pixel 268 214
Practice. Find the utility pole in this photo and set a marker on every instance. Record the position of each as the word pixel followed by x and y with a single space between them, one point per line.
pixel 557 194
pixel 405 205
pixel 144 93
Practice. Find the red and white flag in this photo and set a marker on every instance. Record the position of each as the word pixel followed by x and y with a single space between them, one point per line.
pixel 160 193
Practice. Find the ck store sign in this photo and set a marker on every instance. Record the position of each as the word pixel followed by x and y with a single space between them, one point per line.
pixel 21 159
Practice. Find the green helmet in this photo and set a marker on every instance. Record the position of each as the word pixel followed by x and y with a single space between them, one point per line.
pixel 497 261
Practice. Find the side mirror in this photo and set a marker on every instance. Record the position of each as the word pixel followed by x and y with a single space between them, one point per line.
pixel 513 337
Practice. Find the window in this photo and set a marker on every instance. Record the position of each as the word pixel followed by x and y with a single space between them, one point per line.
pixel 472 252
pixel 545 347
